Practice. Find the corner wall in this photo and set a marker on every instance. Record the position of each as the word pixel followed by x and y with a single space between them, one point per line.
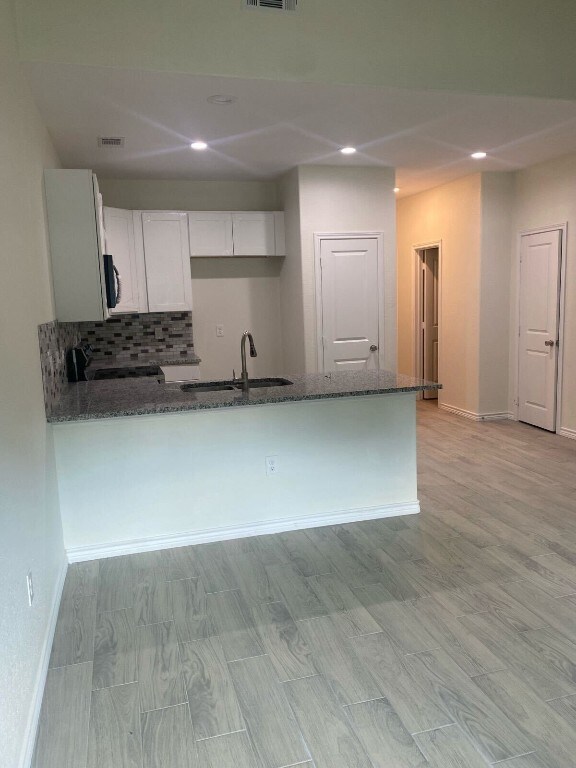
pixel 31 535
pixel 497 250
pixel 291 298
pixel 340 199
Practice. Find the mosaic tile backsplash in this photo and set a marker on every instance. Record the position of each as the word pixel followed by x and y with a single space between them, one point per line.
pixel 132 337
pixel 127 337
pixel 55 340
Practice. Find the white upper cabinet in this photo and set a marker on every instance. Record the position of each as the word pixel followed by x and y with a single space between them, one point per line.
pixel 164 241
pixel 119 235
pixel 72 202
pixel 254 234
pixel 219 233
pixel 210 233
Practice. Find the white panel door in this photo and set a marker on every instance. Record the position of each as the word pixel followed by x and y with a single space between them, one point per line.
pixel 539 322
pixel 350 304
pixel 210 233
pixel 119 235
pixel 254 234
pixel 165 239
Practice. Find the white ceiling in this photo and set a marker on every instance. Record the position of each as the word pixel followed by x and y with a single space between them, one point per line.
pixel 274 126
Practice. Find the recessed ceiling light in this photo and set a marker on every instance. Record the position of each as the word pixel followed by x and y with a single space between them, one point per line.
pixel 220 98
pixel 478 155
pixel 348 150
pixel 396 189
pixel 199 146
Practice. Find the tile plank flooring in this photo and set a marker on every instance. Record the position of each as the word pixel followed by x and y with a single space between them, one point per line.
pixel 444 640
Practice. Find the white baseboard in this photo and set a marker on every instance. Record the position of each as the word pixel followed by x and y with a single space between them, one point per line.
pixel 565 432
pixel 495 416
pixel 34 715
pixel 503 416
pixel 170 541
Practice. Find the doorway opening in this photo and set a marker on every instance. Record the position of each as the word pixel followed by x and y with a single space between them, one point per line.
pixel 428 291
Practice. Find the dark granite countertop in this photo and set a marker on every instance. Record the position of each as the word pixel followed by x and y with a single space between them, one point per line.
pixel 141 396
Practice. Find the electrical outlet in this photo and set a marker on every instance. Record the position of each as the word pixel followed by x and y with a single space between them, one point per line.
pixel 271 465
pixel 219 330
pixel 30 588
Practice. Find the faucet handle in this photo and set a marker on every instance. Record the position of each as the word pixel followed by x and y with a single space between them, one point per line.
pixel 233 374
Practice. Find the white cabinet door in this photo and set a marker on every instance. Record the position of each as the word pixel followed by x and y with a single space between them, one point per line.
pixel 119 234
pixel 210 233
pixel 254 234
pixel 75 245
pixel 165 244
pixel 279 233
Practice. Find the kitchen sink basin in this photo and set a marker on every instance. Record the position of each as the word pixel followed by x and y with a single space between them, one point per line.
pixel 227 386
pixel 208 386
pixel 272 382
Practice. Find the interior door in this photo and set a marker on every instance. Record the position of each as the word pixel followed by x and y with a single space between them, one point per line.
pixel 429 318
pixel 350 304
pixel 539 324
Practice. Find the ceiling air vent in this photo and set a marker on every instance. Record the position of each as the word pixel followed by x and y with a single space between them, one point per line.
pixel 111 141
pixel 276 5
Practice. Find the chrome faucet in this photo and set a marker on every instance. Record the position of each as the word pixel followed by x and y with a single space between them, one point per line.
pixel 244 376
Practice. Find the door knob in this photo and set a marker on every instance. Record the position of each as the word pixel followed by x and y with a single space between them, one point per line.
pixel 373 348
pixel 549 343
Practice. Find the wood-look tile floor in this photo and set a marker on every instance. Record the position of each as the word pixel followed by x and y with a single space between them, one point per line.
pixel 445 640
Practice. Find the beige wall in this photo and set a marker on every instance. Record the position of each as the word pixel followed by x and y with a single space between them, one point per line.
pixel 291 296
pixel 545 195
pixel 451 215
pixel 335 199
pixel 460 45
pixel 31 536
pixel 497 224
pixel 179 195
pixel 240 294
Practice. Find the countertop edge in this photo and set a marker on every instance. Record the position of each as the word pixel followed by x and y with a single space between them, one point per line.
pixel 148 410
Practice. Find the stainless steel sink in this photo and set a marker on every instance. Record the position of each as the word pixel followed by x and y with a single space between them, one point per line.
pixel 230 386
pixel 271 382
pixel 208 386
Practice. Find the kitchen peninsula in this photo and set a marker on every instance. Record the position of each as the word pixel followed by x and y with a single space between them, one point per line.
pixel 146 465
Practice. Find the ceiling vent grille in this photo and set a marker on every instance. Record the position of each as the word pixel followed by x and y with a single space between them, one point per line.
pixel 111 141
pixel 276 5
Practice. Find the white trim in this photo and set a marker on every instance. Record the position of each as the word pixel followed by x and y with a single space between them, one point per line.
pixel 34 714
pixel 473 416
pixel 565 432
pixel 563 228
pixel 416 299
pixel 318 238
pixel 133 546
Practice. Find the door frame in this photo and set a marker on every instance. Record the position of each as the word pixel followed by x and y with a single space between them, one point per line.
pixel 416 335
pixel 319 237
pixel 563 228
